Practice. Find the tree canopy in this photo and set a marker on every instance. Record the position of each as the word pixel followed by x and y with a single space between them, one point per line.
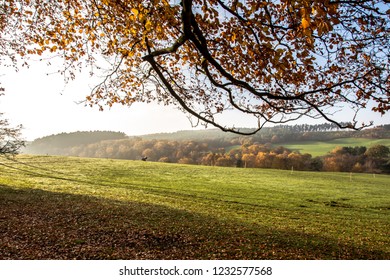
pixel 274 60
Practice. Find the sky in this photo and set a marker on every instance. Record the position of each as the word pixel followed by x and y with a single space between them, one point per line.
pixel 45 105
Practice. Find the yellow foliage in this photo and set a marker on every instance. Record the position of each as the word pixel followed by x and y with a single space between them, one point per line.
pixel 135 11
pixel 233 38
pixel 258 58
pixel 148 25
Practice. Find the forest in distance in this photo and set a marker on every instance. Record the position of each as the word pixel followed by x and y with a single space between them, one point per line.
pixel 215 148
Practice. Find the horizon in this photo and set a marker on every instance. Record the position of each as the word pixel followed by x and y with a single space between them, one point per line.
pixel 190 130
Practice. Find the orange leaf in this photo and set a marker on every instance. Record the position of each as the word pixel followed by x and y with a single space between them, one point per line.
pixel 305 23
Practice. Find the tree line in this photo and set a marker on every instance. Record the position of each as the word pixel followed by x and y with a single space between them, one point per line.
pixel 231 154
pixel 276 134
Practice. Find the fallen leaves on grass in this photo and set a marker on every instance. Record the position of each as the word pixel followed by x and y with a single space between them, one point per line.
pixel 36 224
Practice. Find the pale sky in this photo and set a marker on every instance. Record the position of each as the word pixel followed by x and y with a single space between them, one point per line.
pixel 44 105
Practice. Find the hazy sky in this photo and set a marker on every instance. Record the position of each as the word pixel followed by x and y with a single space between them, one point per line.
pixel 44 105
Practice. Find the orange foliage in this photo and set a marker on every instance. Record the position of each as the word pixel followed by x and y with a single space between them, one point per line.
pixel 276 61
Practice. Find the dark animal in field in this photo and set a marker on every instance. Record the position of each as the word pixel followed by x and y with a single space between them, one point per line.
pixel 144 158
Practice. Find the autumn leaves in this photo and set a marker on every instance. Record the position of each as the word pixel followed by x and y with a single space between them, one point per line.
pixel 273 60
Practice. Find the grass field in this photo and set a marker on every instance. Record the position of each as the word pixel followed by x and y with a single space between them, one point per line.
pixel 319 148
pixel 76 208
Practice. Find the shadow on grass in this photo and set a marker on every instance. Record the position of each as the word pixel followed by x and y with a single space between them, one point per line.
pixel 37 224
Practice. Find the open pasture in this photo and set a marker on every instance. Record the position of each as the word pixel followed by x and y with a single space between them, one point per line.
pixel 78 208
pixel 321 148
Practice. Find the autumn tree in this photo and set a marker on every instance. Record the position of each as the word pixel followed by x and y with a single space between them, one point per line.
pixel 225 160
pixel 378 158
pixel 346 159
pixel 378 151
pixel 273 60
pixel 10 137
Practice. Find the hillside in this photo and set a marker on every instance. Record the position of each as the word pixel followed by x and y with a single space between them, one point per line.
pixel 311 148
pixel 74 208
pixel 61 144
pixel 277 134
pixel 321 148
pixel 56 144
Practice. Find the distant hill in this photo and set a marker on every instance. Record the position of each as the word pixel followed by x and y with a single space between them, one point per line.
pixel 278 147
pixel 190 135
pixel 215 138
pixel 277 134
pixel 55 144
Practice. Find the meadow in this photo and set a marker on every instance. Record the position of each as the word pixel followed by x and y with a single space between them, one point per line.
pixel 321 148
pixel 82 208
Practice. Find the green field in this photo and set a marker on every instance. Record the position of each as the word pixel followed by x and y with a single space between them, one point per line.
pixel 77 208
pixel 319 148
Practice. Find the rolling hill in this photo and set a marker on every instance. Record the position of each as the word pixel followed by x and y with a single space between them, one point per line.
pixel 320 148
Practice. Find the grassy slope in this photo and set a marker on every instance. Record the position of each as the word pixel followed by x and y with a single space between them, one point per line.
pixel 63 208
pixel 319 148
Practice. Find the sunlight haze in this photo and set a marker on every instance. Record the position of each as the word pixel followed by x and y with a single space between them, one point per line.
pixel 45 105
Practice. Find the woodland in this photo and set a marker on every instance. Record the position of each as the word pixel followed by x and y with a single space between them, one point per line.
pixel 215 148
